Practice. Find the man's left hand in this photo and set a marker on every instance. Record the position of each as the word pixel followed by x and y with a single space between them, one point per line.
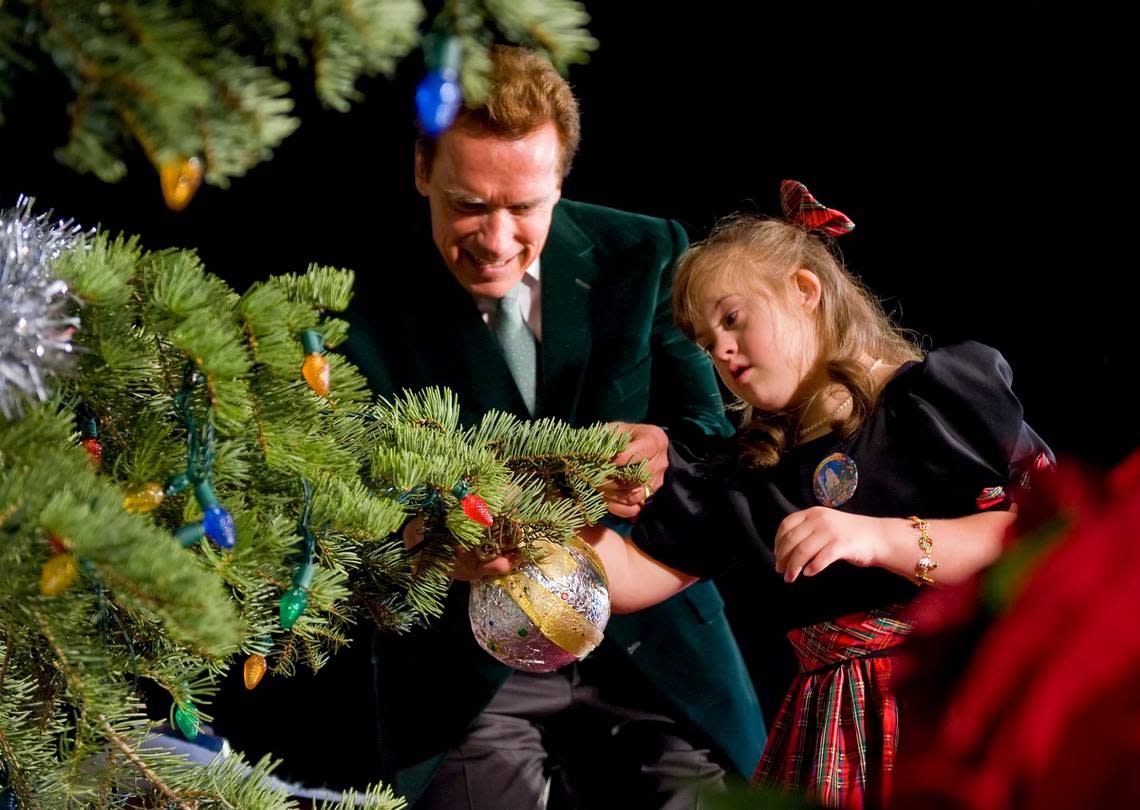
pixel 468 564
pixel 646 443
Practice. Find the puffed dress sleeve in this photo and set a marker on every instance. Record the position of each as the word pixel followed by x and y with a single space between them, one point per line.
pixel 693 523
pixel 962 423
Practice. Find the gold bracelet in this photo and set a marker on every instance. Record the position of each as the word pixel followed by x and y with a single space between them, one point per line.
pixel 925 563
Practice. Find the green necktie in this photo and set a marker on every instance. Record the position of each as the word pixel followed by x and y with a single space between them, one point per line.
pixel 519 347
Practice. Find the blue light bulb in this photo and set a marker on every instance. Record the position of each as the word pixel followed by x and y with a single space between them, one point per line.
pixel 438 98
pixel 219 527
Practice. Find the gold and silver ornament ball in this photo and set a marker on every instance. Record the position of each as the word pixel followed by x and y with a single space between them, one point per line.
pixel 544 614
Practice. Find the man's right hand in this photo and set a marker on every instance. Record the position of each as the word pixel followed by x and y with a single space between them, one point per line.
pixel 647 443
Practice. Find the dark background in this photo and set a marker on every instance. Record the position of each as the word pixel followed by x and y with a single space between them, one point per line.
pixel 978 156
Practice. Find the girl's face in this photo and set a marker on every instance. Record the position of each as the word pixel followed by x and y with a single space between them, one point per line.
pixel 763 344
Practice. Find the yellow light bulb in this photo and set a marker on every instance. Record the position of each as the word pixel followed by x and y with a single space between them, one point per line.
pixel 145 498
pixel 58 574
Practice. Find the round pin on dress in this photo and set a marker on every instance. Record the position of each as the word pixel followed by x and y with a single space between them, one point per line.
pixel 835 480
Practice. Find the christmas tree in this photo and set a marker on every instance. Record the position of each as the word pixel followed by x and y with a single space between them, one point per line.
pixel 188 483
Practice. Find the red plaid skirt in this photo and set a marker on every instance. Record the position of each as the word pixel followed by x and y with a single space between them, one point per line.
pixel 835 737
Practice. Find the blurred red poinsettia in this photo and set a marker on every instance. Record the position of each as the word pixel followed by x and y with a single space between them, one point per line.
pixel 1021 688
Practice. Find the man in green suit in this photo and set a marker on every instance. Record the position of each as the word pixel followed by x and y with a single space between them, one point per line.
pixel 665 701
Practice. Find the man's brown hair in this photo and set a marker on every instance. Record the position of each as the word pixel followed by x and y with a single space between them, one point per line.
pixel 526 93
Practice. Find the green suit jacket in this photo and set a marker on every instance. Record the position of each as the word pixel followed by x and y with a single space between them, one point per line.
pixel 609 352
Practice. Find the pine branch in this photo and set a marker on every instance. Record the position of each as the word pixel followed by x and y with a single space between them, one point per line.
pixel 231 783
pixel 142 768
pixel 15 773
pixel 553 27
pixel 374 798
pixel 7 653
pixel 366 38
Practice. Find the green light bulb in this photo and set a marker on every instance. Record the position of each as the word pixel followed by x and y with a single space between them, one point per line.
pixel 187 721
pixel 293 604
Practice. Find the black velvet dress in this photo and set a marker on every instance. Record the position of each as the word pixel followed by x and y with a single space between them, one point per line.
pixel 945 433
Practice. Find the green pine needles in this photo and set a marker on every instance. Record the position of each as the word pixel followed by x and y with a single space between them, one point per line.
pixel 116 588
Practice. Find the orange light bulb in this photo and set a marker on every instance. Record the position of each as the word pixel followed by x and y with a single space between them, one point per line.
pixel 180 179
pixel 317 373
pixel 254 670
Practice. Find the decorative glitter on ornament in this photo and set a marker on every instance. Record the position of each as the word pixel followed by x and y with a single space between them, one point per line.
pixel 254 670
pixel 187 720
pixel 58 574
pixel 522 618
pixel 835 480
pixel 8 800
pixel 145 498
pixel 476 508
pixel 180 179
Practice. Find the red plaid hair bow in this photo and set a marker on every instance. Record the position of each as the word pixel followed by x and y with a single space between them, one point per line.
pixel 802 209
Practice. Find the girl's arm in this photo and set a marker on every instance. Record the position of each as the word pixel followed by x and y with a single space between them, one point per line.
pixel 809 541
pixel 636 580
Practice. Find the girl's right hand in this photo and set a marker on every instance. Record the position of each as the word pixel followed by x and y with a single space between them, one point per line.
pixel 809 541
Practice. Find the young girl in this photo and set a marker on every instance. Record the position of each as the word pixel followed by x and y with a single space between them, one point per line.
pixel 861 472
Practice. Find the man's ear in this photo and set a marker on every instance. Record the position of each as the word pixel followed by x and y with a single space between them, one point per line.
pixel 808 289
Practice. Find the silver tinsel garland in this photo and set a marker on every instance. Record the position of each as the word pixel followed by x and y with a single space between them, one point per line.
pixel 36 320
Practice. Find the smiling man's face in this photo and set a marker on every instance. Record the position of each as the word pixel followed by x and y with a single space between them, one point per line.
pixel 491 200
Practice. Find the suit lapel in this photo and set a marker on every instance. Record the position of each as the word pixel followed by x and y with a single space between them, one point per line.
pixel 462 353
pixel 568 273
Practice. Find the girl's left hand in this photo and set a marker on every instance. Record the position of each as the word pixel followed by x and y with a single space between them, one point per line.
pixel 809 541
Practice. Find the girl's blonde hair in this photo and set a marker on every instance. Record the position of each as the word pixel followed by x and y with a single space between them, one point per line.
pixel 759 254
